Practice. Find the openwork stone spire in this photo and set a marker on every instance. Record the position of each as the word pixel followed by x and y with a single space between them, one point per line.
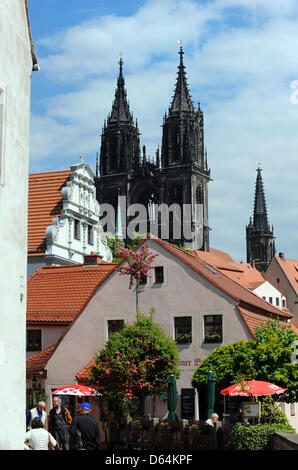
pixel 120 143
pixel 181 100
pixel 260 245
pixel 260 218
pixel 120 110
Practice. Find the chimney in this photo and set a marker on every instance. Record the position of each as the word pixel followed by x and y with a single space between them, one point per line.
pixel 252 263
pixel 281 255
pixel 93 259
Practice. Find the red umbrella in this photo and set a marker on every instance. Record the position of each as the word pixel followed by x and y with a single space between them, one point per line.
pixel 252 387
pixel 76 390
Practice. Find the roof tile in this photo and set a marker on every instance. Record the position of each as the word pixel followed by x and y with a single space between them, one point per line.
pixel 53 293
pixel 44 203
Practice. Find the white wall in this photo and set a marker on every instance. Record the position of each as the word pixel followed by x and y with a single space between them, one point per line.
pixel 15 70
pixel 267 291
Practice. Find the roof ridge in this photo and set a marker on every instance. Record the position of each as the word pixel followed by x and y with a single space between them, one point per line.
pixel 50 172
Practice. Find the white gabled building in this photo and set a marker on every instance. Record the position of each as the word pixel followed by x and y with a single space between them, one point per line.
pixel 64 218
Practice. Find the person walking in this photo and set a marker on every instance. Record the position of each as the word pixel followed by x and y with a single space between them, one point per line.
pixel 59 421
pixel 37 412
pixel 84 428
pixel 38 437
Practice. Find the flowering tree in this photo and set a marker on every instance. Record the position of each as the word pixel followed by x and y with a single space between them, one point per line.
pixel 135 362
pixel 138 265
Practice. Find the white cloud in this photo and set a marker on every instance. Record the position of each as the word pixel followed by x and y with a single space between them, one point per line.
pixel 242 76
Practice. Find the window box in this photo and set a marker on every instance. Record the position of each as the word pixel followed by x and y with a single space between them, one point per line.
pixel 213 338
pixel 183 339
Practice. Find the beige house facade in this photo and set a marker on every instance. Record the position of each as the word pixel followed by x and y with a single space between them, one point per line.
pixel 282 273
pixel 188 296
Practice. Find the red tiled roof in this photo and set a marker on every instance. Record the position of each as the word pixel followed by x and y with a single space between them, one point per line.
pixel 57 294
pixel 221 280
pixel 44 203
pixel 252 318
pixel 290 268
pixel 39 361
pixel 214 256
pixel 243 273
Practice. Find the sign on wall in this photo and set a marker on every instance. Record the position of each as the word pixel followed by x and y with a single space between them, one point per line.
pixel 251 410
pixel 188 403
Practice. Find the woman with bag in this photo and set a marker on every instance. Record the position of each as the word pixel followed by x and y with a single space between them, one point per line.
pixel 38 437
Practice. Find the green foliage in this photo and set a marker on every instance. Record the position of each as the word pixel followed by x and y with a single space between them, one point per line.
pixel 137 360
pixel 267 358
pixel 42 396
pixel 187 250
pixel 223 362
pixel 259 437
pixel 271 412
pixel 183 339
pixel 113 240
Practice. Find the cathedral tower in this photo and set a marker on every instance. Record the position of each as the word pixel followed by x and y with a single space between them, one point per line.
pixel 179 175
pixel 184 172
pixel 260 244
pixel 120 148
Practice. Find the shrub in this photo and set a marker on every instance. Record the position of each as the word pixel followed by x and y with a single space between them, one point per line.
pixel 258 437
pixel 271 412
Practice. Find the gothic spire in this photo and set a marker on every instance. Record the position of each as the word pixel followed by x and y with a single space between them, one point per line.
pixel 181 100
pixel 260 218
pixel 120 111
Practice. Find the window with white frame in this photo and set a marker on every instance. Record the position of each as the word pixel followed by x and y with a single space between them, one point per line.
pixel 90 235
pixel 159 275
pixel 292 409
pixel 114 326
pixel 182 330
pixel 212 328
pixel 77 229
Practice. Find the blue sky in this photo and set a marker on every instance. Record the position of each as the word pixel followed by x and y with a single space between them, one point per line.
pixel 240 57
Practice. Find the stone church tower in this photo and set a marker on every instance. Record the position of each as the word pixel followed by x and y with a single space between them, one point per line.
pixel 179 175
pixel 260 244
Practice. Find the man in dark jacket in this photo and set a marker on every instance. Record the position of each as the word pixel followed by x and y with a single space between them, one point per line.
pixel 88 427
pixel 59 422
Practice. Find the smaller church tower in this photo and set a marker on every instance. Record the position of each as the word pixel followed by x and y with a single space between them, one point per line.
pixel 260 244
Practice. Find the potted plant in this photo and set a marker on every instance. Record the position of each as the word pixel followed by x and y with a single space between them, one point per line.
pixel 193 427
pixel 183 339
pixel 165 425
pixel 213 338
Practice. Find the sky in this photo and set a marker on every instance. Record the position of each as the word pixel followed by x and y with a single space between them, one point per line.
pixel 241 61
